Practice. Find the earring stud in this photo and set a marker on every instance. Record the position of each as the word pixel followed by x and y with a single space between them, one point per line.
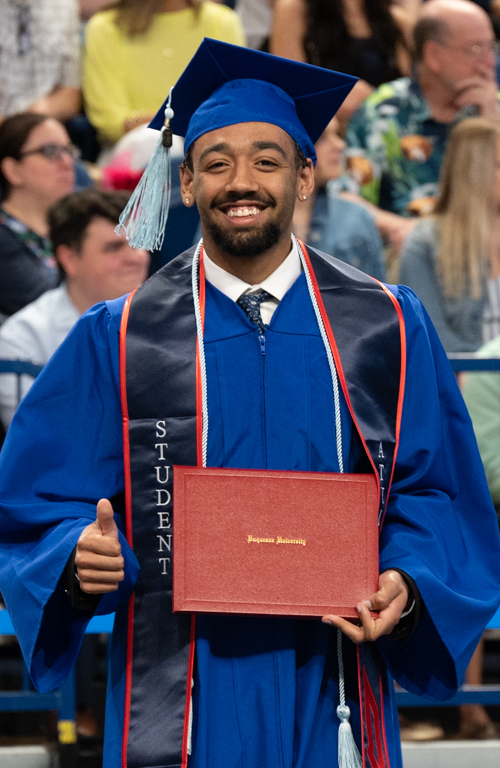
pixel 304 197
pixel 187 200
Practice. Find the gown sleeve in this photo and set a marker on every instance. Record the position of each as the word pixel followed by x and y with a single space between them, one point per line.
pixel 63 452
pixel 440 526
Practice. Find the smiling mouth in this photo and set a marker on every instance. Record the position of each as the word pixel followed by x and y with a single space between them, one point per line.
pixel 245 212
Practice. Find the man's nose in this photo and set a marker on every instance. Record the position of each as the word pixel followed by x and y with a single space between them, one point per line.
pixel 243 178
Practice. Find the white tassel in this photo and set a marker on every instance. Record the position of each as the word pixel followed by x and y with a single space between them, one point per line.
pixel 145 216
pixel 349 756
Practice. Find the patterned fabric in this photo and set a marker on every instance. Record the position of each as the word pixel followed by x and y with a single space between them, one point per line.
pixel 395 148
pixel 40 246
pixel 250 304
pixel 39 49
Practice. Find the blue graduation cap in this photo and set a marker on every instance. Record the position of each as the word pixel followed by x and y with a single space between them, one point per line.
pixel 222 85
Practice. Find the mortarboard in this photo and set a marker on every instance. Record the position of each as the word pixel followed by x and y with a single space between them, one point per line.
pixel 226 84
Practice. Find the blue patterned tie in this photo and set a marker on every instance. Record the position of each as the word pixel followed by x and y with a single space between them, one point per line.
pixel 250 304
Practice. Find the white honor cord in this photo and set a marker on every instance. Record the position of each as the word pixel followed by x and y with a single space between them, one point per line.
pixel 201 348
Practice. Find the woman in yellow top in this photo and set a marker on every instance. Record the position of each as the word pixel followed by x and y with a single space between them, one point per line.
pixel 138 49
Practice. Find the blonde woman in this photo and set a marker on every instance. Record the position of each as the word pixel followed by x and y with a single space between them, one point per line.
pixel 452 259
pixel 136 50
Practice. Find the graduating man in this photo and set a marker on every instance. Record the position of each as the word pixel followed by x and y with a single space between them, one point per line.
pixel 250 351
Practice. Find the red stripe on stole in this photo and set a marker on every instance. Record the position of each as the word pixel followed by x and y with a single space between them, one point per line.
pixel 199 458
pixel 361 712
pixel 128 518
pixel 402 383
pixel 382 720
pixel 372 721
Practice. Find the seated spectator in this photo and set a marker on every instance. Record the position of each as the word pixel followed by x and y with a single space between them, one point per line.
pixel 336 226
pixel 397 139
pixel 96 265
pixel 370 40
pixel 256 17
pixel 450 260
pixel 481 393
pixel 36 170
pixel 136 51
pixel 40 58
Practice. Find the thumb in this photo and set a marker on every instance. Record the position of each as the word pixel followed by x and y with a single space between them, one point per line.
pixel 105 519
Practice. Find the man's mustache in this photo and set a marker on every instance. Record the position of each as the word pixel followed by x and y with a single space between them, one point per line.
pixel 248 197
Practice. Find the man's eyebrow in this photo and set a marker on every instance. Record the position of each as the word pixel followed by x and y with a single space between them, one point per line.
pixel 260 145
pixel 270 145
pixel 221 147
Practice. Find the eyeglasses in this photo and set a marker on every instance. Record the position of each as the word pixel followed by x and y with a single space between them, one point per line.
pixel 54 152
pixel 477 50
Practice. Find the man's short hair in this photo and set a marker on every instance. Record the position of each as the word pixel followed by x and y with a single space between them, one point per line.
pixel 300 158
pixel 70 216
pixel 428 29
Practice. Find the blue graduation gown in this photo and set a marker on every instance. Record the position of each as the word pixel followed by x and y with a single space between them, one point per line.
pixel 65 445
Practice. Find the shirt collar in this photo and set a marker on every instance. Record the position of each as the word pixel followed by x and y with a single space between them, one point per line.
pixel 420 108
pixel 277 284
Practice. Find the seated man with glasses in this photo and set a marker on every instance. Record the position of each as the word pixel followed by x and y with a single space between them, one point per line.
pixel 396 141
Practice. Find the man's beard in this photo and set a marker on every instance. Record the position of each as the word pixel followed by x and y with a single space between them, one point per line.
pixel 245 243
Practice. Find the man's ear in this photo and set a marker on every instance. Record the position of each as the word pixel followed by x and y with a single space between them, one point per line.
pixel 67 258
pixel 431 55
pixel 305 184
pixel 187 189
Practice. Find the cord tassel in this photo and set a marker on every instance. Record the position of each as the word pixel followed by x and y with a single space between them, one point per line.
pixel 349 756
pixel 144 218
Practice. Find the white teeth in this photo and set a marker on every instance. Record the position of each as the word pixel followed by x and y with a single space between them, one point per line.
pixel 240 212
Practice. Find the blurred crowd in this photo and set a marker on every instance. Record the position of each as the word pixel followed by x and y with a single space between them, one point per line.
pixel 407 176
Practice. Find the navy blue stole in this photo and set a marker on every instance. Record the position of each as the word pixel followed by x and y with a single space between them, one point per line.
pixel 159 401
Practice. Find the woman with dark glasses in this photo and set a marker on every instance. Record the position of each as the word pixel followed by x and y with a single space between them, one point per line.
pixel 36 170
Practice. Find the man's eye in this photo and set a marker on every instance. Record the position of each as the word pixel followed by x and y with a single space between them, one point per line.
pixel 267 163
pixel 217 165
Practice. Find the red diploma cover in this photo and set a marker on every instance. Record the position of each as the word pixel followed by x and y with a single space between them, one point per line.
pixel 268 542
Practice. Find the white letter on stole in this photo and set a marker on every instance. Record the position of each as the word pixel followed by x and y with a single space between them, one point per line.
pixel 164 541
pixel 164 521
pixel 164 561
pixel 161 446
pixel 158 474
pixel 161 430
pixel 166 501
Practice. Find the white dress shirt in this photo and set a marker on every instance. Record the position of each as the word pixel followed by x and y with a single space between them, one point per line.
pixel 277 284
pixel 34 333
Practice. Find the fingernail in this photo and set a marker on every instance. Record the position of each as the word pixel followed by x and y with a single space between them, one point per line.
pixel 368 604
pixel 327 621
pixel 358 608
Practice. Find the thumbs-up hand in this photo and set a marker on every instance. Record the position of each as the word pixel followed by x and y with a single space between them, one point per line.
pixel 99 562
